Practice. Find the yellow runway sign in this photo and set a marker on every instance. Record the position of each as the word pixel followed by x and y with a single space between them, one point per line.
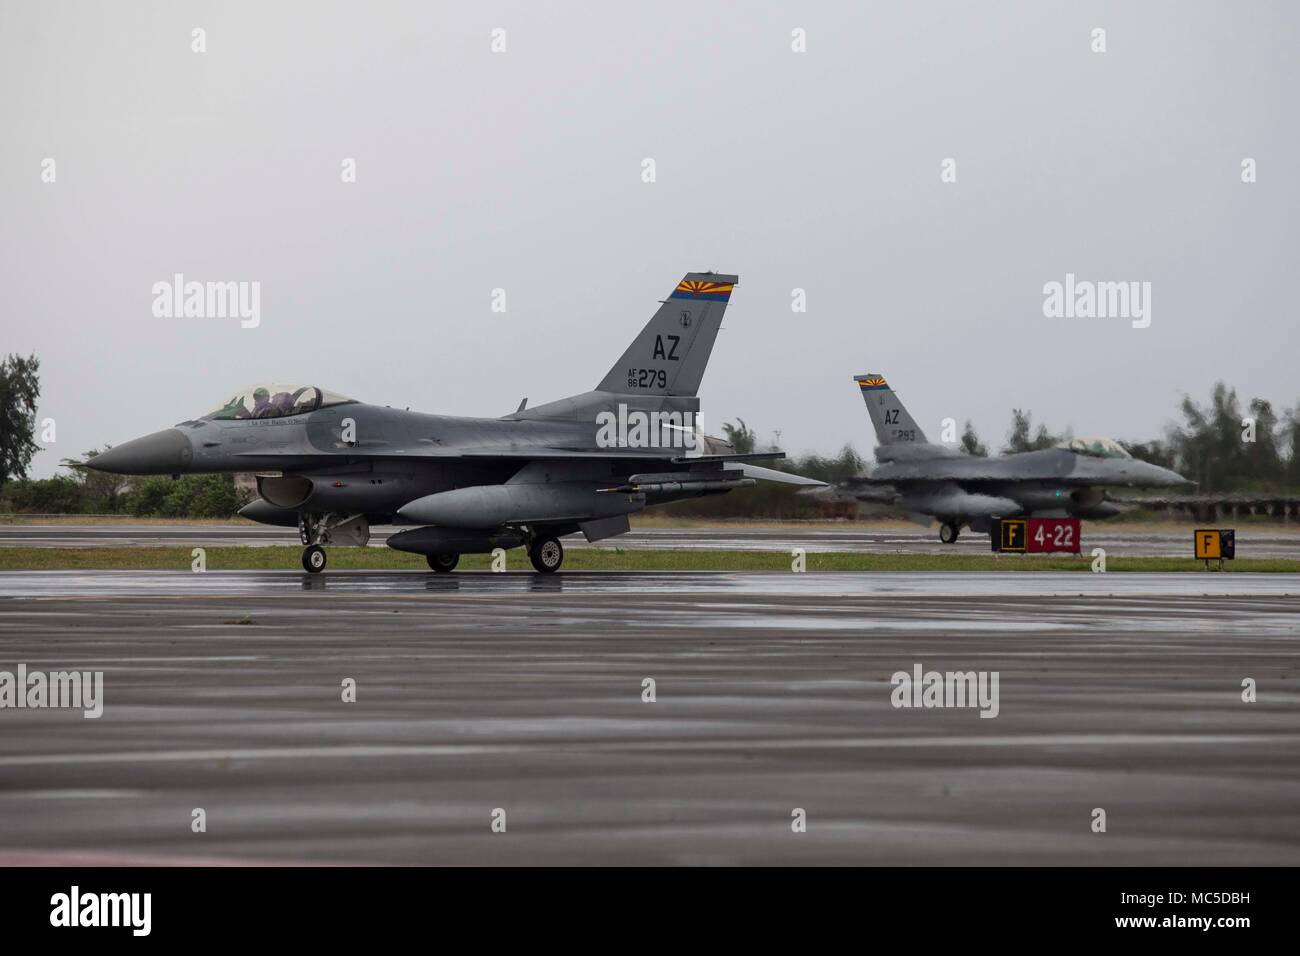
pixel 1215 544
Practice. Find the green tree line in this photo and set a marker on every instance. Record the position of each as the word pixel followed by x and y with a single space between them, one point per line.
pixel 83 492
pixel 1227 445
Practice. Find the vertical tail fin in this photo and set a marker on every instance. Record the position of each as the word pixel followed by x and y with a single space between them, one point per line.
pixel 669 356
pixel 893 424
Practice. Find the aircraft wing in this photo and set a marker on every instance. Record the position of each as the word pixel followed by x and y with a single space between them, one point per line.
pixel 782 477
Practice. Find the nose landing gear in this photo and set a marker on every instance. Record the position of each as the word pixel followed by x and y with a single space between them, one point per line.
pixel 315 530
pixel 948 532
pixel 313 559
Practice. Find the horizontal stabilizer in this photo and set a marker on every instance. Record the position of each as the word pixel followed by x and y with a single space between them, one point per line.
pixel 877 495
pixel 782 477
pixel 862 481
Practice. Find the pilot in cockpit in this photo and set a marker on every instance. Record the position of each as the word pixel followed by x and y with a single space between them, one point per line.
pixel 262 406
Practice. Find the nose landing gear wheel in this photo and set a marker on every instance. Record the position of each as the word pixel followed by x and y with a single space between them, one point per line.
pixel 313 559
pixel 546 554
pixel 443 563
pixel 948 532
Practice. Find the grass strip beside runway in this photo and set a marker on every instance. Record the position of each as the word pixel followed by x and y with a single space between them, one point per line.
pixel 594 559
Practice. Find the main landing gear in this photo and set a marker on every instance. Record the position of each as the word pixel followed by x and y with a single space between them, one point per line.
pixel 313 559
pixel 443 563
pixel 547 554
pixel 949 531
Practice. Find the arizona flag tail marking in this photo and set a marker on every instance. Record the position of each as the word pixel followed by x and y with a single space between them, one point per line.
pixel 707 291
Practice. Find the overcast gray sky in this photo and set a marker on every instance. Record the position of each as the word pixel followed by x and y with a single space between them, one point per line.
pixel 522 170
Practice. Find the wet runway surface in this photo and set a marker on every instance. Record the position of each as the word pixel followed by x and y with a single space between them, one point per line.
pixel 885 584
pixel 1257 541
pixel 478 692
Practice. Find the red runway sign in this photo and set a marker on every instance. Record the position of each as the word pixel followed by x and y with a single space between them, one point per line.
pixel 1037 535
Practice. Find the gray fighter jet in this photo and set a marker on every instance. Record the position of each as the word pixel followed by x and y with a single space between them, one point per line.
pixel 335 466
pixel 938 481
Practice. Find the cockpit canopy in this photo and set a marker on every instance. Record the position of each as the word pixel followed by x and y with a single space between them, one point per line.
pixel 1096 447
pixel 274 401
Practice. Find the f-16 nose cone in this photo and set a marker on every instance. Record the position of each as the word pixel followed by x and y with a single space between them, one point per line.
pixel 162 453
pixel 1163 477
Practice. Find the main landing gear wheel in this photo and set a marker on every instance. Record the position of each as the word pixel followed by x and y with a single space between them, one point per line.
pixel 948 532
pixel 546 554
pixel 313 559
pixel 443 563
